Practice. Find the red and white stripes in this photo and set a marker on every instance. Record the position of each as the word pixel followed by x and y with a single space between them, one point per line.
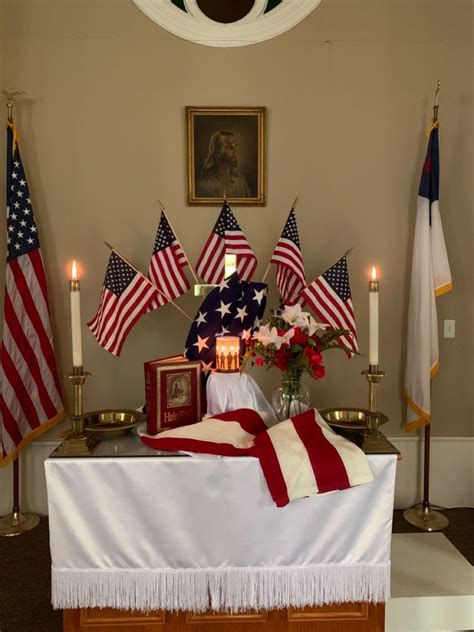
pixel 299 457
pixel 30 391
pixel 166 272
pixel 331 309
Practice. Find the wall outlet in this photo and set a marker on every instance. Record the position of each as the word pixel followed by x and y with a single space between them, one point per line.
pixel 449 328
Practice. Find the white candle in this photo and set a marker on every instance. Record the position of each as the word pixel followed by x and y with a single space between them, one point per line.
pixel 75 295
pixel 373 318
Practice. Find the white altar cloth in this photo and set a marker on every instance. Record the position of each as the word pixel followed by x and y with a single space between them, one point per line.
pixel 181 533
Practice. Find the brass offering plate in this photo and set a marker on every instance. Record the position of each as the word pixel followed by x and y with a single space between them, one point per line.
pixel 112 423
pixel 351 419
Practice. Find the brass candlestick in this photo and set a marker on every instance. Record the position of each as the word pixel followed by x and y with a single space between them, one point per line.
pixel 78 378
pixel 373 375
pixel 78 443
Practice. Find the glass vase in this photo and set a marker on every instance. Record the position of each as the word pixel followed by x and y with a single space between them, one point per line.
pixel 290 398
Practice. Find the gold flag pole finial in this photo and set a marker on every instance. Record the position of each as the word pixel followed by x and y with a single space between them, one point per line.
pixel 10 103
pixel 436 106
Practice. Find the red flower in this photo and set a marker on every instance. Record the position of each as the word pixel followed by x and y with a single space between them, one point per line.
pixel 318 371
pixel 299 337
pixel 282 358
pixel 259 361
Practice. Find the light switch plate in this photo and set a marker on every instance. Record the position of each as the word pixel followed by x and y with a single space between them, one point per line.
pixel 449 328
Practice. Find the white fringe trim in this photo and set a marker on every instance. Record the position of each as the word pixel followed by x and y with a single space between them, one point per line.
pixel 229 590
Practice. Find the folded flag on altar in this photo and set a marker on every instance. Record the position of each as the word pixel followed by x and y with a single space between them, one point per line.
pixel 330 298
pixel 233 308
pixel 299 457
pixel 430 278
pixel 126 295
pixel 226 238
pixel 289 261
pixel 167 265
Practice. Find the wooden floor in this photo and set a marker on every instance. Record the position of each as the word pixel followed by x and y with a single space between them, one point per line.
pixel 355 617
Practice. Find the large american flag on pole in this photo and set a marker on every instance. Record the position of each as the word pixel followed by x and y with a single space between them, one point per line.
pixel 167 265
pixel 330 298
pixel 226 238
pixel 288 258
pixel 30 394
pixel 126 295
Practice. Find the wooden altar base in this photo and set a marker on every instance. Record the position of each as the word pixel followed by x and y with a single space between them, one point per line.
pixel 347 617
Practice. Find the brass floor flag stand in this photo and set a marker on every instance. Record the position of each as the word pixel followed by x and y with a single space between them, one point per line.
pixel 17 523
pixel 424 517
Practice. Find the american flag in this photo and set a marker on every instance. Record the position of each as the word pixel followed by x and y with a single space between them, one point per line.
pixel 233 308
pixel 330 298
pixel 126 294
pixel 287 256
pixel 226 238
pixel 167 265
pixel 30 394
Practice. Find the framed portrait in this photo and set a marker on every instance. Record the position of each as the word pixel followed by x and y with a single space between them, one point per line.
pixel 226 155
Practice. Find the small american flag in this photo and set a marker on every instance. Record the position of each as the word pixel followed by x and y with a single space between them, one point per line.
pixel 289 261
pixel 126 294
pixel 30 396
pixel 167 265
pixel 226 238
pixel 330 298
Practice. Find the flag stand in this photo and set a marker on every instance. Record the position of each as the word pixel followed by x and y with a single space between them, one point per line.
pixel 425 517
pixel 17 523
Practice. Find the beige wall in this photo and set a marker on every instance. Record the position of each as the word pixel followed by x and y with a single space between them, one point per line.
pixel 349 94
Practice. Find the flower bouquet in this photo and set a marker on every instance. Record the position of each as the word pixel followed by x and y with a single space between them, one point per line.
pixel 293 342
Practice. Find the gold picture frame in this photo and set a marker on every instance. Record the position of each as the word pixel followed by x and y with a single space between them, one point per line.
pixel 226 155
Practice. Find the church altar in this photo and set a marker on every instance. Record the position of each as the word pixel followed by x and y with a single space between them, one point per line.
pixel 138 530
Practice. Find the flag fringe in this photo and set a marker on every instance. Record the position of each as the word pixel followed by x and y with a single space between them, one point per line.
pixel 31 436
pixel 221 589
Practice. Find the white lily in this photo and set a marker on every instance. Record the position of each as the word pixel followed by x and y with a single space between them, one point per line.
pixel 314 326
pixel 269 336
pixel 294 315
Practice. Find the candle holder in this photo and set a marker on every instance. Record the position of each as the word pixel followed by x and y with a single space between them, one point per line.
pixel 373 375
pixel 228 354
pixel 78 443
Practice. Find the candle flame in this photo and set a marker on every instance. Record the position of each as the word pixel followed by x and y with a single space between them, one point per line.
pixel 74 271
pixel 373 273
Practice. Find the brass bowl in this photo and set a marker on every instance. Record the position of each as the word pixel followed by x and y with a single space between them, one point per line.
pixel 354 419
pixel 112 423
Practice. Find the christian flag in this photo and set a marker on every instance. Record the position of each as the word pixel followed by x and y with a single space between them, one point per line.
pixel 430 277
pixel 299 457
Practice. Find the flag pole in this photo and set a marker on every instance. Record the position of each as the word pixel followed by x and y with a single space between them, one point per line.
pixel 180 245
pixel 426 518
pixel 295 202
pixel 15 523
pixel 152 284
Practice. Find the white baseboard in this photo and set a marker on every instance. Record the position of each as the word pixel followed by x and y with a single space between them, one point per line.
pixel 451 471
pixel 451 475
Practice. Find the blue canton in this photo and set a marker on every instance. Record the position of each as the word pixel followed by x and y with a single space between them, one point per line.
pixel 338 278
pixel 21 227
pixel 119 275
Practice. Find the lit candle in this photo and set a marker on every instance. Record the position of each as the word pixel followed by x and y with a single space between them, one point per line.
pixel 230 265
pixel 227 354
pixel 75 295
pixel 373 318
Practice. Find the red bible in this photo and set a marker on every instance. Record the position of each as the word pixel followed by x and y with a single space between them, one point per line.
pixel 173 393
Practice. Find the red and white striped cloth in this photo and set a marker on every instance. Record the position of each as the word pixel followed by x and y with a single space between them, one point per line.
pixel 300 457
